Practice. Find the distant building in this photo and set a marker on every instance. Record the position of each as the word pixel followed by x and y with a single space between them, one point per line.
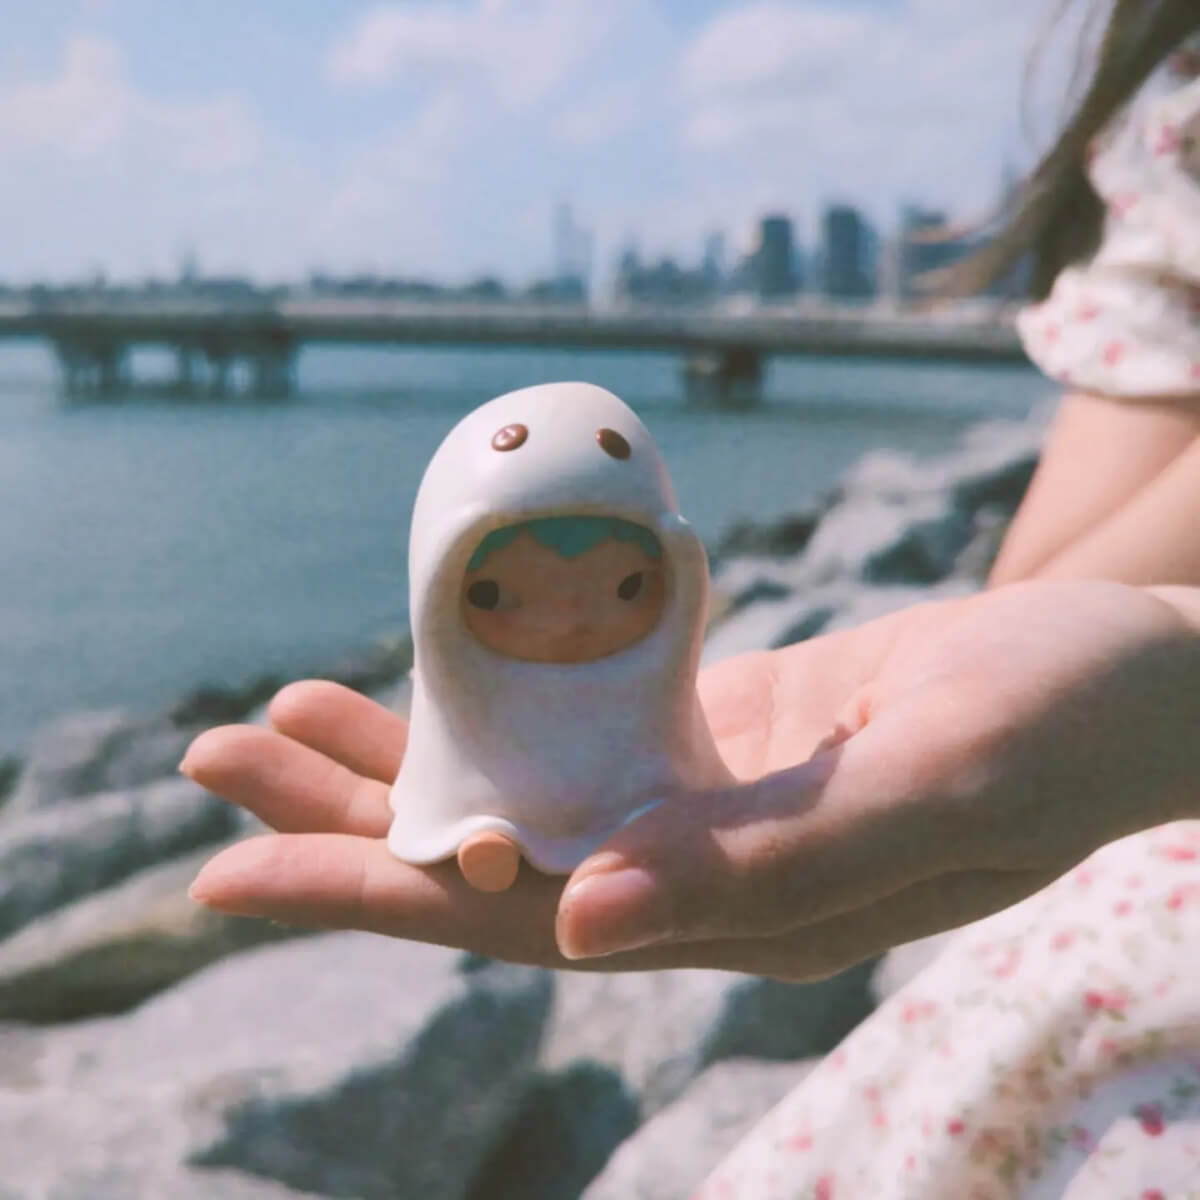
pixel 662 283
pixel 572 251
pixel 775 259
pixel 926 243
pixel 713 261
pixel 847 254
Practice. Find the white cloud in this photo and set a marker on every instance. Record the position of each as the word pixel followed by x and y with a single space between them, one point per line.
pixel 81 112
pixel 601 116
pixel 772 46
pixel 820 98
pixel 521 51
pixel 395 182
pixel 90 108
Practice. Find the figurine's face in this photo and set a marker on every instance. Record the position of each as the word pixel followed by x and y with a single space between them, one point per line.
pixel 527 601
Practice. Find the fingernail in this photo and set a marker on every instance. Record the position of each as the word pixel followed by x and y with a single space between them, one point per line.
pixel 611 911
pixel 183 767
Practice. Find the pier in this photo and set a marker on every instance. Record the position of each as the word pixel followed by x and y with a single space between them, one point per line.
pixel 723 352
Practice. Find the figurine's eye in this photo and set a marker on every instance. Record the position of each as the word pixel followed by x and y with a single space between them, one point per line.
pixel 631 585
pixel 491 596
pixel 613 444
pixel 484 594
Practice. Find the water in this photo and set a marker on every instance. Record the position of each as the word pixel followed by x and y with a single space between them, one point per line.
pixel 149 546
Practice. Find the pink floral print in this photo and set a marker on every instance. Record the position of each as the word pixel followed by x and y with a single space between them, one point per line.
pixel 1126 324
pixel 1047 1052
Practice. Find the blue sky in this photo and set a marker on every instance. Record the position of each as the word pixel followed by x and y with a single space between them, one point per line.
pixel 276 137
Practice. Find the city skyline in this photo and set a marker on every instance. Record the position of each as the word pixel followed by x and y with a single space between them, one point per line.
pixel 438 139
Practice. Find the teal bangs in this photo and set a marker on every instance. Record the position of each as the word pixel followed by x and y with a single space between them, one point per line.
pixel 568 537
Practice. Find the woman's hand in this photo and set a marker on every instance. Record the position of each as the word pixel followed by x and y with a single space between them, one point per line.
pixel 902 778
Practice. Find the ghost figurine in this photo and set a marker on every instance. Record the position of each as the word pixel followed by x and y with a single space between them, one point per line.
pixel 558 602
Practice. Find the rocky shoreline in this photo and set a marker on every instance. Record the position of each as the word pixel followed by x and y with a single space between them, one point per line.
pixel 150 1049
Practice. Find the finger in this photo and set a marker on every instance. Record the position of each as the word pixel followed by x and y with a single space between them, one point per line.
pixel 332 881
pixel 289 786
pixel 854 824
pixel 342 724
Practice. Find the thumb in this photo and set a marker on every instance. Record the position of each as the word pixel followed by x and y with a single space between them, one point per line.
pixel 845 828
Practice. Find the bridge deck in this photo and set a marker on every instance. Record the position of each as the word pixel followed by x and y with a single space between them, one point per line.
pixel 254 328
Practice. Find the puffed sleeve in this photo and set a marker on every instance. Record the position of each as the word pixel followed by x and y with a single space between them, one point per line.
pixel 1127 323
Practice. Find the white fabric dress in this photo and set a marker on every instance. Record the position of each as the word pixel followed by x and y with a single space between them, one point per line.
pixel 1053 1050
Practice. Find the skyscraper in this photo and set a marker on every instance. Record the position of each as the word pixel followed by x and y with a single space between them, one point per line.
pixel 775 258
pixel 572 251
pixel 847 246
pixel 713 263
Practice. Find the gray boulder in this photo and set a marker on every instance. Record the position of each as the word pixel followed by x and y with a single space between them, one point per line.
pixel 51 857
pixel 670 1156
pixel 619 1048
pixel 345 1065
pixel 657 1030
pixel 113 949
pixel 96 752
pixel 902 964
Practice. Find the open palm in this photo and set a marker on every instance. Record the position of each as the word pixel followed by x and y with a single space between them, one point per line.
pixel 898 779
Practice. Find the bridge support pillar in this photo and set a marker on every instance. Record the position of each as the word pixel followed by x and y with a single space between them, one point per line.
pixel 219 366
pixel 185 370
pixel 727 378
pixel 274 371
pixel 96 369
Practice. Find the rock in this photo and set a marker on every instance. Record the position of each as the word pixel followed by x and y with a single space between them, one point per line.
pixel 764 1018
pixel 377 668
pixel 113 949
pixel 996 464
pixel 51 857
pixel 344 1064
pixel 670 1156
pixel 902 964
pixel 863 530
pixel 184 1183
pixel 95 752
pixel 812 623
pixel 925 552
pixel 10 772
pixel 564 1135
pixel 619 1048
pixel 772 623
pixel 777 539
pixel 211 704
pixel 370 671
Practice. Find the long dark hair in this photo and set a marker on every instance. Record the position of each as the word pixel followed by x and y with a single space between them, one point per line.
pixel 1057 217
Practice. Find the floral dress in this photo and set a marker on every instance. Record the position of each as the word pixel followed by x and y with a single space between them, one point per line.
pixel 1127 324
pixel 1052 1051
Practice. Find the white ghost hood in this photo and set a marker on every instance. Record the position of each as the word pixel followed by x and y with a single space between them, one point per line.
pixel 556 756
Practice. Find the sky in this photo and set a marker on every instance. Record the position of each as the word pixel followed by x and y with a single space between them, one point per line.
pixel 435 137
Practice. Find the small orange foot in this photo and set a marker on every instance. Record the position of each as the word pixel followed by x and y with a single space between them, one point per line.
pixel 489 861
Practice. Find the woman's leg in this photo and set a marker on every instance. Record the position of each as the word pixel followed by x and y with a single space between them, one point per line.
pixel 1100 454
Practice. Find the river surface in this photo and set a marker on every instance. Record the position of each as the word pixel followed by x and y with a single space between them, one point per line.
pixel 149 545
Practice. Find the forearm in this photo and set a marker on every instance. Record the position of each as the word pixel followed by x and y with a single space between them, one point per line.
pixel 1098 457
pixel 1152 539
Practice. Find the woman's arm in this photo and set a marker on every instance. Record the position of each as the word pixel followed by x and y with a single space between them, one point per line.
pixel 984 746
pixel 1100 506
pixel 1154 538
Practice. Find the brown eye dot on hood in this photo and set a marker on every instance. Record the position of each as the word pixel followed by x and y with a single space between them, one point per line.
pixel 510 437
pixel 612 443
